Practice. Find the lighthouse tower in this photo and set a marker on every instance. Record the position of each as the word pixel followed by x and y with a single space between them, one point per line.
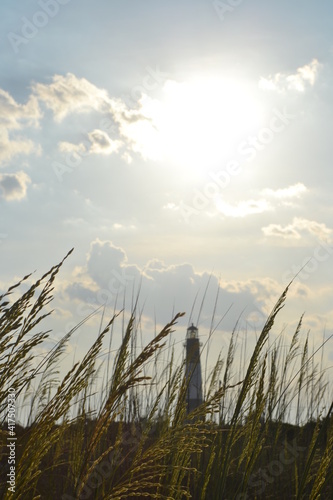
pixel 193 369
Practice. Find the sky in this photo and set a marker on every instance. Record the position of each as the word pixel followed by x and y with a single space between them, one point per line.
pixel 183 148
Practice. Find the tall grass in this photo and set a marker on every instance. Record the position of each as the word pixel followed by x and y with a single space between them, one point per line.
pixel 135 439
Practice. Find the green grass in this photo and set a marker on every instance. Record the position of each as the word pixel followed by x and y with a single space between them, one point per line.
pixel 131 437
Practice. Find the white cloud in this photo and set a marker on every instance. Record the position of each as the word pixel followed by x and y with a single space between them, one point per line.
pixel 269 200
pixel 138 128
pixel 317 229
pixel 14 115
pixel 121 227
pixel 249 207
pixel 98 142
pixel 102 144
pixel 106 262
pixel 298 229
pixel 243 208
pixel 294 191
pixel 304 76
pixel 9 148
pixel 68 147
pixel 287 232
pixel 14 186
pixel 108 276
pixel 69 94
pixel 65 95
pixel 184 126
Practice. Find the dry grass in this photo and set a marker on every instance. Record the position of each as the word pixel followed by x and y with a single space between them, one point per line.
pixel 139 442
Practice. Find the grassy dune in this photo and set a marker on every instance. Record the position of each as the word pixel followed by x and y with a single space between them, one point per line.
pixel 138 442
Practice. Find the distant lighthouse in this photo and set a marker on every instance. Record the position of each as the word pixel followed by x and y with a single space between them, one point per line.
pixel 193 369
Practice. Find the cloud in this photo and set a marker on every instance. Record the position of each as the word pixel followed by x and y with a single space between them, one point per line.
pixel 183 126
pixel 304 76
pixel 243 208
pixel 98 142
pixel 142 138
pixel 250 207
pixel 186 124
pixel 287 232
pixel 107 276
pixel 9 148
pixel 68 147
pixel 102 144
pixel 269 200
pixel 107 266
pixel 138 128
pixel 298 229
pixel 69 94
pixel 294 191
pixel 14 186
pixel 319 230
pixel 121 227
pixel 13 117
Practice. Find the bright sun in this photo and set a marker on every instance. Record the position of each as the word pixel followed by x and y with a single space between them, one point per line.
pixel 198 123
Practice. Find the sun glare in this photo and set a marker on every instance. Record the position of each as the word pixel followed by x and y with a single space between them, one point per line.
pixel 197 123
